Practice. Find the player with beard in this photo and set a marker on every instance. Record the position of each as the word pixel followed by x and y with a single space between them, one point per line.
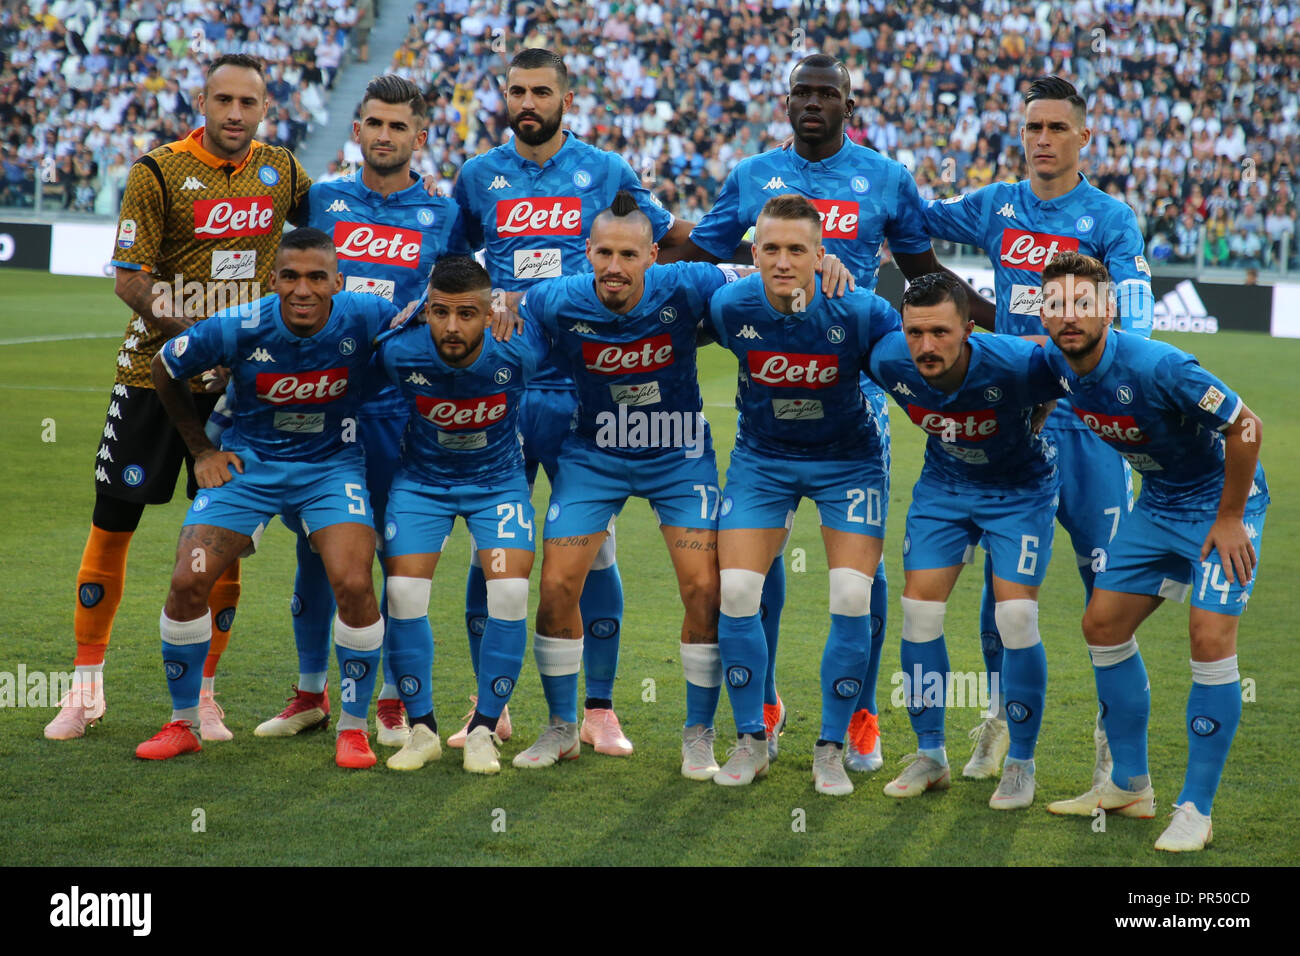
pixel 1021 226
pixel 1197 528
pixel 389 232
pixel 863 199
pixel 207 209
pixel 529 205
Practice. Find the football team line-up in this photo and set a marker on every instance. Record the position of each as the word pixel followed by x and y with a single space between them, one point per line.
pixel 575 349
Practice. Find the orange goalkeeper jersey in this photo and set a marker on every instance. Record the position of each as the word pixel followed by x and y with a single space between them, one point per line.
pixel 206 228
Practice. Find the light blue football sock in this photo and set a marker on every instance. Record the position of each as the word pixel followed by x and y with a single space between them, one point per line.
pixel 844 660
pixel 770 607
pixel 184 648
pixel 602 623
pixel 408 650
pixel 743 648
pixel 313 612
pixel 501 659
pixel 476 613
pixel 1213 713
pixel 1125 697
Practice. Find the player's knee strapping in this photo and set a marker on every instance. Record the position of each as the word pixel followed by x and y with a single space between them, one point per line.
pixel 504 640
pixel 1213 713
pixel 924 656
pixel 358 651
pixel 558 660
pixel 742 645
pixel 1125 697
pixel 844 661
pixel 1024 674
pixel 184 646
pixel 702 666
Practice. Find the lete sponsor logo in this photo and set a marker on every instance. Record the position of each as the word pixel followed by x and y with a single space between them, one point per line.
pixel 540 216
pixel 1117 428
pixel 839 218
pixel 462 413
pixel 974 425
pixel 239 216
pixel 643 355
pixel 1033 250
pixel 305 388
pixel 794 369
pixel 382 245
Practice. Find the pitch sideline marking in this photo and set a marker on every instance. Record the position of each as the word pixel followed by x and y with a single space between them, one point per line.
pixel 34 339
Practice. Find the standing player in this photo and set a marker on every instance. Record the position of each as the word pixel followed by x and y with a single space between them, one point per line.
pixel 863 199
pixel 986 474
pixel 1021 226
pixel 461 456
pixel 529 204
pixel 389 232
pixel 627 333
pixel 805 430
pixel 298 364
pixel 1197 526
pixel 202 215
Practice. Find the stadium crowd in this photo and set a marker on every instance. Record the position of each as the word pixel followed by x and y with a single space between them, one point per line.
pixel 86 86
pixel 1195 106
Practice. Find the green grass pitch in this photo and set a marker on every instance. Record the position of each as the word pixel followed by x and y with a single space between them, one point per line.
pixel 90 802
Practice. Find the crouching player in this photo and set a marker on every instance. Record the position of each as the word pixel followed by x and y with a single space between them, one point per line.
pixel 1197 526
pixel 297 364
pixel 460 456
pixel 627 333
pixel 805 431
pixel 986 474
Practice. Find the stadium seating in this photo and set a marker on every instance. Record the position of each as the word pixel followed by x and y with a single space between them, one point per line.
pixel 1195 106
pixel 86 86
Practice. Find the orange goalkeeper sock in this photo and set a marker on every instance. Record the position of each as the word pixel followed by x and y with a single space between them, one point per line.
pixel 99 592
pixel 223 601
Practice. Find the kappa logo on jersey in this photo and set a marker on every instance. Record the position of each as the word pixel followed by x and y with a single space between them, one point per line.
pixel 260 355
pixel 1007 210
pixel 1033 250
pixel 839 218
pixel 415 378
pixel 1119 428
pixel 540 216
pixel 456 414
pixel 337 205
pixel 974 426
pixel 382 245
pixel 747 332
pixel 776 182
pixel 643 355
pixel 902 389
pixel 192 183
pixel 582 328
pixel 302 388
pixel 238 216
pixel 794 370
pixel 500 183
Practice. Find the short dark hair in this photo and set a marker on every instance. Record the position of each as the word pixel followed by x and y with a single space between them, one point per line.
pixel 242 60
pixel 538 58
pixel 935 288
pixel 305 237
pixel 625 206
pixel 1078 265
pixel 396 90
pixel 792 206
pixel 824 61
pixel 457 274
pixel 1055 88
